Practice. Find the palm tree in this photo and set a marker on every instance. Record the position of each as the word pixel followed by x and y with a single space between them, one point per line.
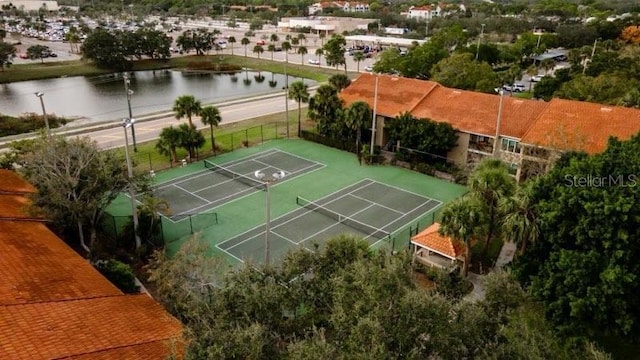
pixel 322 35
pixel 274 38
pixel 302 50
pixel 357 57
pixel 319 53
pixel 302 38
pixel 531 71
pixel 186 105
pixel 210 115
pixel 149 212
pixel 259 50
pixel 231 40
pixel 272 49
pixel 299 92
pixel 547 64
pixel 356 118
pixel 490 182
pixel 168 141
pixel 295 41
pixel 521 220
pixel 245 41
pixel 190 139
pixel 339 81
pixel 286 46
pixel 462 220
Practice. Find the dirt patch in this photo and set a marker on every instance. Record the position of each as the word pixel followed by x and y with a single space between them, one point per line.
pixel 423 281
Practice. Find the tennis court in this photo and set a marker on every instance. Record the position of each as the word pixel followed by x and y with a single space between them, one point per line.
pixel 369 209
pixel 219 184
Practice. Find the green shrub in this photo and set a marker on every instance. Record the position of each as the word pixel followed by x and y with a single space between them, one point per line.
pixel 119 273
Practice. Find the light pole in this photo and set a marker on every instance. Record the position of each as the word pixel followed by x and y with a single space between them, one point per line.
pixel 498 120
pixel 479 37
pixel 132 192
pixel 130 92
pixel 131 8
pixel 267 181
pixel 44 112
pixel 373 120
pixel 286 97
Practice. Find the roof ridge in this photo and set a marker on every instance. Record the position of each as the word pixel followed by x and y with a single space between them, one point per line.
pixel 48 301
pixel 71 356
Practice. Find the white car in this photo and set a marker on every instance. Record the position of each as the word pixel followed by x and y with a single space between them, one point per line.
pixel 314 62
pixel 368 68
pixel 536 78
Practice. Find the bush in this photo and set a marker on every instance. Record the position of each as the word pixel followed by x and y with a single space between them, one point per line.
pixel 27 123
pixel 449 284
pixel 119 273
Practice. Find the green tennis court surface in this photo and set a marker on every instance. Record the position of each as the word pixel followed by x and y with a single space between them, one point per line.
pixel 368 209
pixel 221 183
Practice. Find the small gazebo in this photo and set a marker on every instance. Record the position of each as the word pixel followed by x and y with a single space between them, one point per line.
pixel 432 249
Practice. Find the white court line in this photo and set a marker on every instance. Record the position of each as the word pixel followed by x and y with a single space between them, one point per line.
pixel 300 157
pixel 414 209
pixel 290 220
pixel 336 224
pixel 192 194
pixel 377 203
pixel 401 189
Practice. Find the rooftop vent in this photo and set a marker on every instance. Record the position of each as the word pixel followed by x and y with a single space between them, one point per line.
pixel 606 109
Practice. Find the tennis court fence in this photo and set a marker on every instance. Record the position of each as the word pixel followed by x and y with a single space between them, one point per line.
pixel 163 232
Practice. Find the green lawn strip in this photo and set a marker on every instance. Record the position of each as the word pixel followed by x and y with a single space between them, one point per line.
pixel 341 171
pixel 47 70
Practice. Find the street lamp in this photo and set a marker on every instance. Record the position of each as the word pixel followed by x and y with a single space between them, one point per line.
pixel 498 120
pixel 479 37
pixel 267 181
pixel 44 112
pixel 130 92
pixel 286 98
pixel 126 123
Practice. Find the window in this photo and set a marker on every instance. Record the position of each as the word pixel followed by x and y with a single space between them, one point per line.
pixel 510 145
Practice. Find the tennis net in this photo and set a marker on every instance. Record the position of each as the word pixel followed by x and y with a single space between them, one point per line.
pixel 234 175
pixel 343 219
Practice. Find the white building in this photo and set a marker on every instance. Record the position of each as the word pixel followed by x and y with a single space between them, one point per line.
pixel 30 5
pixel 427 12
pixel 342 5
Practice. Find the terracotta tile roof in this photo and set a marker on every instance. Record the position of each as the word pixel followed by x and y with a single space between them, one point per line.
pixel 567 124
pixel 13 183
pixel 430 238
pixel 13 206
pixel 477 113
pixel 55 305
pixel 421 8
pixel 66 328
pixel 36 266
pixel 395 94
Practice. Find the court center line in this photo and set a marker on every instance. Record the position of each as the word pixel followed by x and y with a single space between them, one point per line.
pixel 377 203
pixel 192 194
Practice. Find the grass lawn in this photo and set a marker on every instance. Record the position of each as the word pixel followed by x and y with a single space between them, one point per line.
pixel 47 70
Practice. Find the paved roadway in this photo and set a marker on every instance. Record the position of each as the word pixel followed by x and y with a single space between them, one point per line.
pixel 109 135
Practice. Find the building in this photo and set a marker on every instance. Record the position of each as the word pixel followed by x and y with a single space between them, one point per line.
pixel 435 250
pixel 323 24
pixel 30 5
pixel 54 304
pixel 427 12
pixel 345 6
pixel 526 134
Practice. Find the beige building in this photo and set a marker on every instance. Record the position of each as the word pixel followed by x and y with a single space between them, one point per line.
pixel 30 5
pixel 326 24
pixel 526 134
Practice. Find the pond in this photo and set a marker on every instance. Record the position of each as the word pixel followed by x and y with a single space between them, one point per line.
pixel 102 98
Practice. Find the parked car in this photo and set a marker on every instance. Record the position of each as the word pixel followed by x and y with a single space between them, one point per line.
pixel 23 56
pixel 314 61
pixel 514 88
pixel 536 78
pixel 261 42
pixel 368 68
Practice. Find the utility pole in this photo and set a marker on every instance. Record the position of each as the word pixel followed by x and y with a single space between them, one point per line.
pixel 426 30
pixel 129 92
pixel 286 97
pixel 479 37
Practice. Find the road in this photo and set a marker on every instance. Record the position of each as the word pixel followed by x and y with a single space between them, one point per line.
pixel 110 135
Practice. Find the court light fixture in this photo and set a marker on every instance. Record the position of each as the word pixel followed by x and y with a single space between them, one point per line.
pixel 267 181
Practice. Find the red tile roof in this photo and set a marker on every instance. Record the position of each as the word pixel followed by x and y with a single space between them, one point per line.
pixel 55 305
pixel 477 113
pixel 575 125
pixel 431 239
pixel 66 328
pixel 395 94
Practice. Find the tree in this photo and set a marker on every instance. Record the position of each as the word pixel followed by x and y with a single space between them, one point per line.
pixel 358 56
pixel 631 34
pixel 231 40
pixel 324 109
pixel 339 81
pixel 7 54
pixel 357 115
pixel 274 38
pixel 106 49
pixel 521 223
pixel 462 72
pixel 319 53
pixel 38 52
pixel 190 139
pixel 186 105
pixel 419 61
pixel 271 48
pixel 75 181
pixel 286 46
pixel 334 51
pixel 245 42
pixel 463 220
pixel 433 139
pixel 210 115
pixel 259 50
pixel 299 92
pixel 168 141
pixel 200 40
pixel 302 51
pixel 73 37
